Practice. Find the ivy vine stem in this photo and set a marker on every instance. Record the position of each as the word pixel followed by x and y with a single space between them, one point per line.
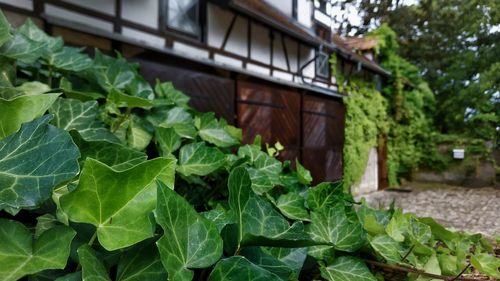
pixel 401 268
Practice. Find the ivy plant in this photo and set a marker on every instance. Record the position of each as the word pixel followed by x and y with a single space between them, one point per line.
pixel 105 177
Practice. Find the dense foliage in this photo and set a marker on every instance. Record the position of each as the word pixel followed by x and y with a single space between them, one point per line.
pixel 104 177
pixel 455 45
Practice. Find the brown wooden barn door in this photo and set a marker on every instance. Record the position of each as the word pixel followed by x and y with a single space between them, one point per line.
pixel 323 137
pixel 273 113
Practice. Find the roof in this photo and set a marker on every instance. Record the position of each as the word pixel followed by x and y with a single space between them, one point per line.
pixel 361 43
pixel 268 14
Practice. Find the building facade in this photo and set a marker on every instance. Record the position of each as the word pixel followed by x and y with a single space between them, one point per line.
pixel 263 65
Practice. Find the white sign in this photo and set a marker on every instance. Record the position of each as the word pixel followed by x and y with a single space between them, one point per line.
pixel 458 153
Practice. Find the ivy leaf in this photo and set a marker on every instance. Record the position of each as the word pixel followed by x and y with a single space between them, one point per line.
pixel 303 174
pixel 115 155
pixel 118 203
pixel 112 73
pixel 266 261
pixel 33 88
pixel 325 195
pixel 7 75
pixel 388 248
pixel 33 161
pixel 22 109
pixel 486 264
pixel 294 258
pixel 168 140
pixel 70 59
pixel 190 240
pixel 44 222
pixel 374 221
pixel 70 114
pixel 137 137
pixel 34 33
pixel 75 276
pixel 79 92
pixel 143 264
pixel 219 217
pixel 4 29
pixel 121 99
pixel 166 90
pixel 333 226
pixel 21 48
pixel 347 268
pixel 92 267
pixel 292 205
pixel 254 215
pixel 239 268
pixel 20 256
pixel 199 159
pixel 210 130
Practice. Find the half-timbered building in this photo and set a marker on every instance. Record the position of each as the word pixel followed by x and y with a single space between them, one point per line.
pixel 261 64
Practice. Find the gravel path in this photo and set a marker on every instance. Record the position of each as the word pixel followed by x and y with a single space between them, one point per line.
pixel 472 210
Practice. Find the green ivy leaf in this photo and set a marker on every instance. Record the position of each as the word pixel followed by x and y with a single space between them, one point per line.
pixel 21 48
pixel 112 73
pixel 44 223
pixel 388 248
pixel 142 264
pixel 266 261
pixel 49 44
pixel 294 258
pixel 254 215
pixel 20 256
pixel 210 130
pixel 75 276
pixel 22 109
pixel 168 140
pixel 33 88
pixel 486 264
pixel 292 205
pixel 448 264
pixel 166 90
pixel 121 99
pixel 199 159
pixel 33 161
pixel 303 174
pixel 334 227
pixel 374 221
pixel 115 155
pixel 118 203
pixel 70 114
pixel 325 195
pixel 4 29
pixel 190 240
pixel 70 59
pixel 137 137
pixel 239 268
pixel 80 92
pixel 219 217
pixel 347 268
pixel 7 75
pixel 92 267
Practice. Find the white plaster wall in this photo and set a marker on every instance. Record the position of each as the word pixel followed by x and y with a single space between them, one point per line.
pixel 107 7
pixel 323 18
pixel 304 12
pixel 79 18
pixel 279 58
pixel 306 54
pixel 25 4
pixel 218 21
pixel 291 48
pixel 258 69
pixel 285 6
pixel 144 12
pixel 260 44
pixel 237 40
pixel 369 181
pixel 228 60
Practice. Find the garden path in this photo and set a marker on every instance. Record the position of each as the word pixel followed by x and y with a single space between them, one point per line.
pixel 473 210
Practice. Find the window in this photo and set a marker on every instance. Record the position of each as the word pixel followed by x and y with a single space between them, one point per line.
pixel 322 65
pixel 183 15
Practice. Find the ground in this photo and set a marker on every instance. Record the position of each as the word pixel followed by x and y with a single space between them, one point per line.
pixel 475 210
